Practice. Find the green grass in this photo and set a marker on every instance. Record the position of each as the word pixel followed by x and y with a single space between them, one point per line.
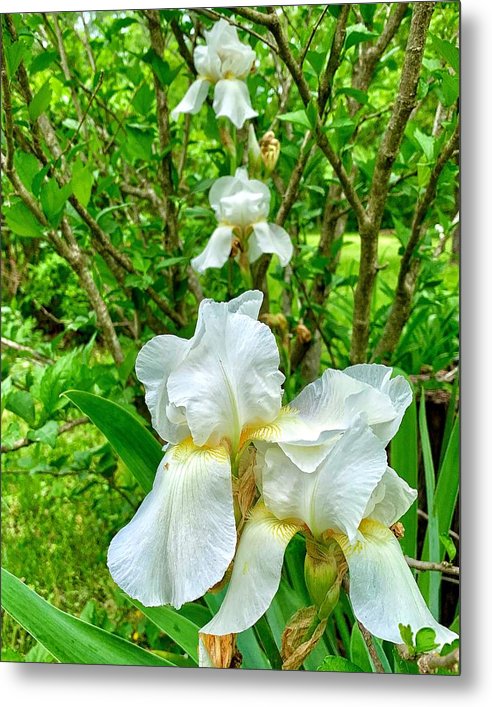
pixel 56 531
pixel 339 309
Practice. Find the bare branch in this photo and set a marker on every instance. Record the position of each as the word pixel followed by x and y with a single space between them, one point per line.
pixel 337 43
pixel 445 567
pixel 38 357
pixel 212 14
pixel 25 441
pixel 183 48
pixel 371 647
pixel 259 18
pixel 313 32
pixel 429 662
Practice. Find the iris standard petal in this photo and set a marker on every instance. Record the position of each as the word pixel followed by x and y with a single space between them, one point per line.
pixel 248 303
pixel 256 573
pixel 193 98
pixel 270 238
pixel 182 538
pixel 231 99
pixel 155 362
pixel 224 188
pixel 397 390
pixel 230 378
pixel 207 63
pixel 391 499
pixel 221 33
pixel 216 251
pixel 236 58
pixel 242 208
pixel 335 496
pixel 383 591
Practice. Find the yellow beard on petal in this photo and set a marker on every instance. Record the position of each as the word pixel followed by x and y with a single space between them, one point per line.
pixel 271 431
pixel 187 448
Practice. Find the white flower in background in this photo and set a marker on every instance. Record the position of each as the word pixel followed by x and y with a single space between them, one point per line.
pixel 203 394
pixel 352 497
pixel 241 206
pixel 224 62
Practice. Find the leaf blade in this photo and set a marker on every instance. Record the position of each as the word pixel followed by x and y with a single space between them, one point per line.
pixel 136 446
pixel 67 638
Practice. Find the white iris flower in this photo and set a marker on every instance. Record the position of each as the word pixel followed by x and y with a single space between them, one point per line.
pixel 241 206
pixel 308 427
pixel 352 497
pixel 203 395
pixel 224 62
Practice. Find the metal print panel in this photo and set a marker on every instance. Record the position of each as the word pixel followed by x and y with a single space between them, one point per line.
pixel 230 271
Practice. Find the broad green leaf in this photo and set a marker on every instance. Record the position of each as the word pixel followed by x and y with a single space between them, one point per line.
pixel 337 664
pixel 450 89
pixel 297 117
pixel 21 221
pixel 360 96
pixel 404 460
pixel 358 33
pixel 42 61
pixel 121 23
pixel 426 142
pixel 447 51
pixel 26 166
pixel 41 101
pixel 21 403
pixel 168 262
pixel 182 631
pixel 143 99
pixel 38 180
pixel 53 200
pixel 317 60
pixel 68 639
pixel 425 640
pixel 368 11
pixel 138 449
pixel 14 54
pixel 432 592
pixel 138 143
pixel 82 181
pixel 47 434
pixel 162 69
pixel 56 378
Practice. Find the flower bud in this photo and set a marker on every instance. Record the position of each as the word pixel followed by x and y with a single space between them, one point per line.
pixel 254 151
pixel 303 333
pixel 270 150
pixel 322 575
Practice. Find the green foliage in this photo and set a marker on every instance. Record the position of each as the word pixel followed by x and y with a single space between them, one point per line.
pixel 67 638
pixel 136 446
pixel 40 101
pixel 337 664
pixel 21 221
